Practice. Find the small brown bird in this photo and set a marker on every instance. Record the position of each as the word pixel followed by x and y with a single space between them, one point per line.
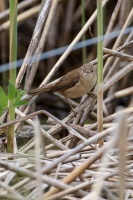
pixel 74 84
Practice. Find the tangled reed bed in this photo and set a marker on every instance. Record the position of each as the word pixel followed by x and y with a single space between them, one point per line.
pixel 78 161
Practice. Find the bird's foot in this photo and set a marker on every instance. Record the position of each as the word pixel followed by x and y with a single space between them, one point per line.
pixel 92 95
pixel 73 110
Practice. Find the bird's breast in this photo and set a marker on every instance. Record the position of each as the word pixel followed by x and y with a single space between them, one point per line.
pixel 84 86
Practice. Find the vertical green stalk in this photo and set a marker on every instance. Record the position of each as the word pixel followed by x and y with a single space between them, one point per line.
pixel 12 69
pixel 84 50
pixel 100 64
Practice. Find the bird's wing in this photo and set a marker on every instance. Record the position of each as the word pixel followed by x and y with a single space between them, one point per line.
pixel 67 81
pixel 39 90
pixel 63 83
pixel 43 88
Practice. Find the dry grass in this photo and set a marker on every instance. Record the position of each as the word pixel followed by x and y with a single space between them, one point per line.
pixel 72 166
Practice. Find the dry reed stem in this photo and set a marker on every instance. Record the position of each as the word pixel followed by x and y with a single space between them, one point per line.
pixel 117 76
pixel 21 17
pixel 46 134
pixel 70 47
pixel 12 192
pixel 94 139
pixel 112 20
pixel 117 54
pixel 122 145
pixel 40 46
pixel 37 133
pixel 34 41
pixel 118 94
pixel 97 187
pixel 77 166
pixel 21 6
pixel 93 62
pixel 111 70
pixel 126 45
pixel 33 175
pixel 80 169
pixel 113 116
pixel 119 39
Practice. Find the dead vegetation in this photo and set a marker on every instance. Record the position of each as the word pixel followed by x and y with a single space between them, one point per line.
pixel 63 160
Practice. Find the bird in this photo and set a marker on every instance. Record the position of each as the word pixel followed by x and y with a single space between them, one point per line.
pixel 73 85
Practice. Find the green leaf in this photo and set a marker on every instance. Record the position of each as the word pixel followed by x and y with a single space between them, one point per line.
pixel 1 110
pixel 11 91
pixel 20 93
pixel 3 98
pixel 19 103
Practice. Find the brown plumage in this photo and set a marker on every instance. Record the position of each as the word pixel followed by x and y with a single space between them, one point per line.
pixel 74 84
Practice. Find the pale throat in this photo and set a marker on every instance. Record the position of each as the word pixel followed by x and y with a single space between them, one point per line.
pixel 86 77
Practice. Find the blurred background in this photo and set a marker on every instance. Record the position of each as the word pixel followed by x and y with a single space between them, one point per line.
pixel 68 21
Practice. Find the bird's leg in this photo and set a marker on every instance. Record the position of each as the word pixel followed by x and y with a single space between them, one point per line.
pixel 67 100
pixel 86 97
pixel 92 95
